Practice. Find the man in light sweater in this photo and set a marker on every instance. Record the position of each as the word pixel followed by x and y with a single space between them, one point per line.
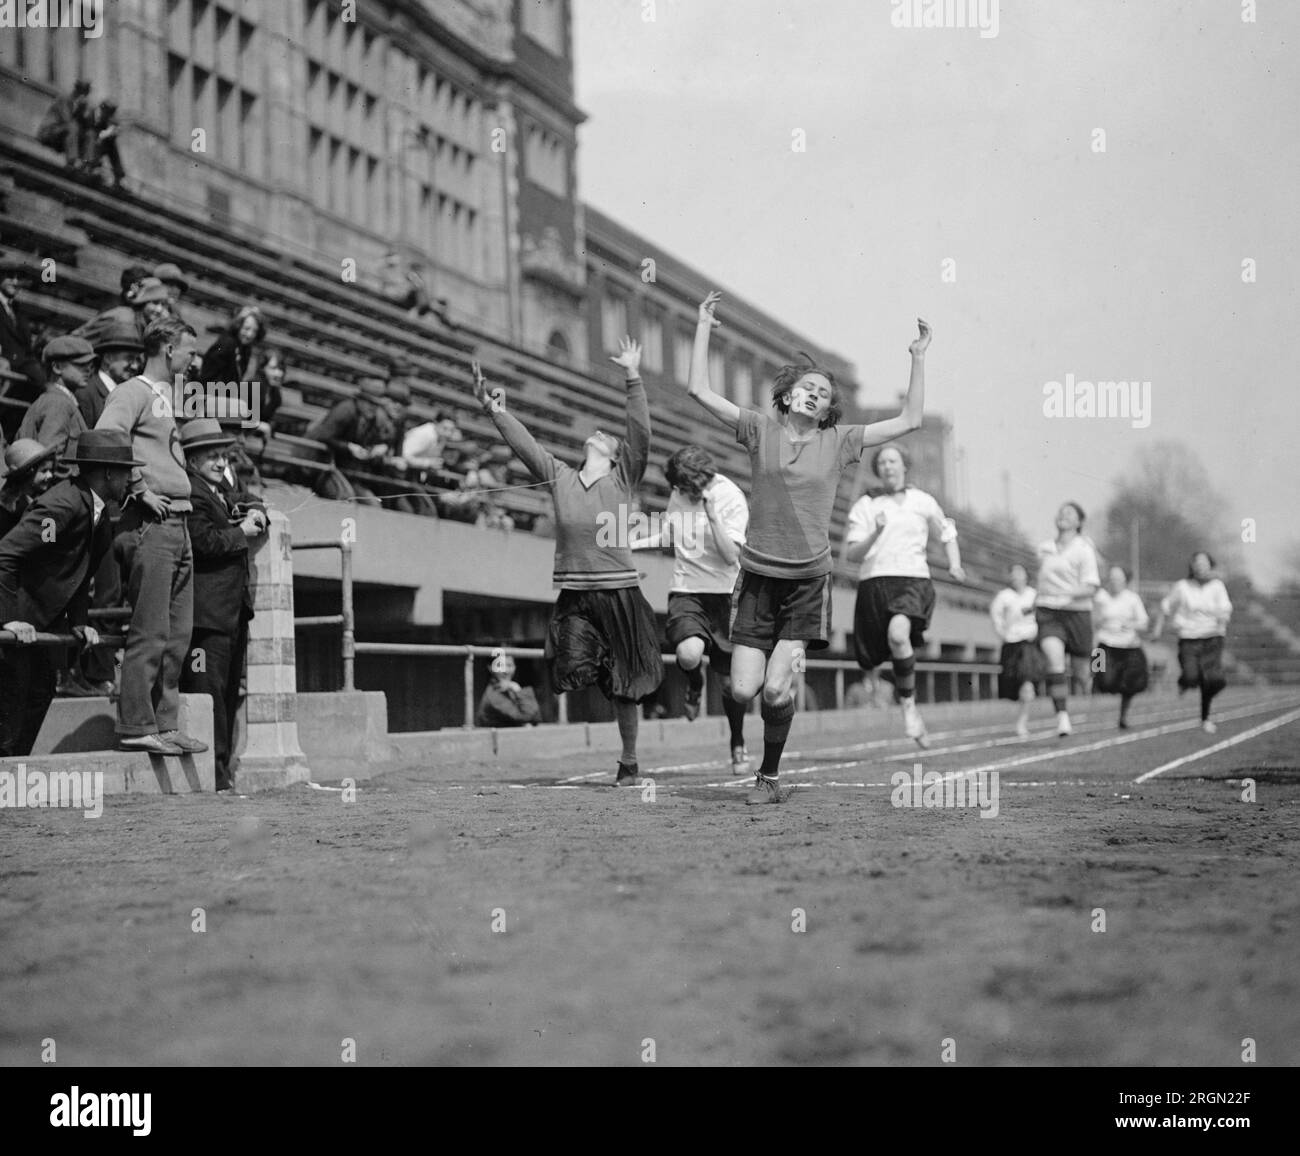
pixel 603 631
pixel 153 545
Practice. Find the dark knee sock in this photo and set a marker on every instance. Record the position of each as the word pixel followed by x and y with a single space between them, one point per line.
pixel 735 712
pixel 629 717
pixel 1056 684
pixel 905 676
pixel 1124 701
pixel 1207 697
pixel 694 678
pixel 776 729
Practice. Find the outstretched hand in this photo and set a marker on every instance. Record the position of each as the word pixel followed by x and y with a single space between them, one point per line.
pixel 490 399
pixel 629 356
pixel 707 306
pixel 922 343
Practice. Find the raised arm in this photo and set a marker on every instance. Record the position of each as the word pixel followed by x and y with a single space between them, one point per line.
pixel 725 411
pixel 538 462
pixel 636 447
pixel 913 410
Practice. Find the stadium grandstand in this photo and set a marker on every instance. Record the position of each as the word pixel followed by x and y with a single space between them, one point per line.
pixel 398 195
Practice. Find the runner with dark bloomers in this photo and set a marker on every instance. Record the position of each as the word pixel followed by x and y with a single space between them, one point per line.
pixel 781 606
pixel 1120 618
pixel 705 524
pixel 602 631
pixel 888 534
pixel 1200 608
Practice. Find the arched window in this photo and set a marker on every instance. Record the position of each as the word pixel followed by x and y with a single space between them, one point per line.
pixel 558 346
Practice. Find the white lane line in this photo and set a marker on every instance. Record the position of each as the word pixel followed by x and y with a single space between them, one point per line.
pixel 1263 728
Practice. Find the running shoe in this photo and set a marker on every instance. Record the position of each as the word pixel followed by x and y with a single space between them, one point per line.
pixel 150 744
pixel 627 775
pixel 190 746
pixel 1063 727
pixel 1208 727
pixel 739 761
pixel 913 727
pixel 766 790
pixel 1022 729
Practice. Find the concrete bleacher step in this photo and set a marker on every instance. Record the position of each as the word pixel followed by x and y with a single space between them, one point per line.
pixel 122 772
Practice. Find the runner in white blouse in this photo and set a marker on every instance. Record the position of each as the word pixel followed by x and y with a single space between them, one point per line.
pixel 1012 611
pixel 1067 580
pixel 1120 619
pixel 1200 608
pixel 888 535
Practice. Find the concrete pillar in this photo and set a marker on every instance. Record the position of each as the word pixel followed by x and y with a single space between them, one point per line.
pixel 272 756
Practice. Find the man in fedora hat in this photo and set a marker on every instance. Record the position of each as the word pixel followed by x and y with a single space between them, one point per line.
pixel 29 470
pixel 221 525
pixel 121 356
pixel 16 353
pixel 54 418
pixel 153 546
pixel 46 564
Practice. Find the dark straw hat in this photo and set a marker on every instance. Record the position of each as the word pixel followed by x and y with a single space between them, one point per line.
pixel 204 433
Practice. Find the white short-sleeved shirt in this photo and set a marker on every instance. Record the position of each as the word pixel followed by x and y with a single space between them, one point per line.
pixel 421 441
pixel 1198 610
pixel 1119 618
pixel 699 568
pixel 1013 614
pixel 1062 571
pixel 899 549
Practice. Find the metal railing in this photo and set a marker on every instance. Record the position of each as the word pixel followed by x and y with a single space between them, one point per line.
pixel 345 619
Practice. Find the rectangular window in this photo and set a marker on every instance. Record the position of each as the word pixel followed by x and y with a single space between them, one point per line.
pixel 683 346
pixel 742 385
pixel 613 322
pixel 718 371
pixel 652 344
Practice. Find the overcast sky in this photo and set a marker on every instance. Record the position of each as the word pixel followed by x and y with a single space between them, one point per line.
pixel 930 144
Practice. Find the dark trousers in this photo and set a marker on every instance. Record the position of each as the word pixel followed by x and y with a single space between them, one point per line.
pixel 219 657
pixel 99 663
pixel 157 572
pixel 27 677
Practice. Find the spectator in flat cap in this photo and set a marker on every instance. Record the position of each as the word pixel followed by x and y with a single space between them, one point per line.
pixel 153 546
pixel 235 355
pixel 54 418
pixel 29 472
pixel 121 356
pixel 46 564
pixel 17 354
pixel 358 432
pixel 222 525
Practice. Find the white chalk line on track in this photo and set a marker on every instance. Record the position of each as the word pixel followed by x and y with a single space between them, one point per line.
pixel 1263 728
pixel 916 755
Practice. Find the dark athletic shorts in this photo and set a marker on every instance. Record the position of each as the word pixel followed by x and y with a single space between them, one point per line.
pixel 765 610
pixel 879 599
pixel 1200 663
pixel 1125 671
pixel 1022 662
pixel 1073 627
pixel 706 616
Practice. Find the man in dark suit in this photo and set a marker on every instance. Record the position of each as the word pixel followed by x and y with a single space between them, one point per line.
pixel 121 357
pixel 46 564
pixel 221 525
pixel 16 341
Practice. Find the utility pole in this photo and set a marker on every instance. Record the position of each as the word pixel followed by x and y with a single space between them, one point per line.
pixel 1135 555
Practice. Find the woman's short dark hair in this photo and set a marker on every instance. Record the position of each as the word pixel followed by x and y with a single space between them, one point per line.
pixel 789 375
pixel 1018 566
pixel 1078 509
pixel 1191 572
pixel 690 469
pixel 902 453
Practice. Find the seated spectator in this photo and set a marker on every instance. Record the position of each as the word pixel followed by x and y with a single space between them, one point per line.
pixel 274 370
pixel 17 350
pixel 221 525
pixel 235 355
pixel 397 397
pixel 67 123
pixel 174 282
pixel 121 357
pixel 29 472
pixel 147 302
pixel 104 131
pixel 46 564
pixel 358 431
pixel 55 418
pixel 505 703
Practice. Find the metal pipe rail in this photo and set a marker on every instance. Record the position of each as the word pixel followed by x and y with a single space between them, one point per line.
pixel 346 619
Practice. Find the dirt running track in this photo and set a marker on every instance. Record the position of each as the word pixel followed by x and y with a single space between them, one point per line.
pixel 628 920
